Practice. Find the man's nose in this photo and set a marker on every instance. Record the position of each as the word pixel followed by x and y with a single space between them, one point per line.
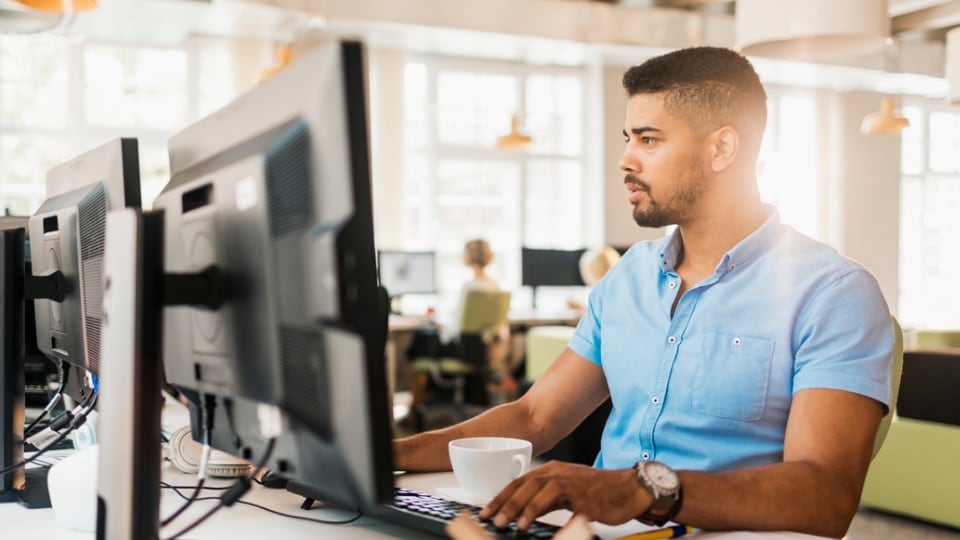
pixel 628 163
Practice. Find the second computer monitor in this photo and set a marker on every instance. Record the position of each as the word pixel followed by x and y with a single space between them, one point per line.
pixel 551 267
pixel 408 272
pixel 67 235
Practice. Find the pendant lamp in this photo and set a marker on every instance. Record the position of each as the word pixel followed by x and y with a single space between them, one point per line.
pixel 515 139
pixel 60 6
pixel 811 29
pixel 284 55
pixel 886 120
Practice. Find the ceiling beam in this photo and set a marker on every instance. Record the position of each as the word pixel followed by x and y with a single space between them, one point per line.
pixel 936 17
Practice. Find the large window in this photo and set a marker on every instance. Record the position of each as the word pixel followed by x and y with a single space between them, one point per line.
pixel 929 221
pixel 457 186
pixel 59 99
pixel 787 169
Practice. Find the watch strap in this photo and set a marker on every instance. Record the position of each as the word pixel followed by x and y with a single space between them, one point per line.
pixel 653 516
pixel 664 507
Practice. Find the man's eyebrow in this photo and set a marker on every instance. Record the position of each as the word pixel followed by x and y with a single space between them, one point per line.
pixel 641 130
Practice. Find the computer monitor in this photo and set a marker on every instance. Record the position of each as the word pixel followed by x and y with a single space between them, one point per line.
pixel 67 234
pixel 408 272
pixel 273 192
pixel 551 267
pixel 60 277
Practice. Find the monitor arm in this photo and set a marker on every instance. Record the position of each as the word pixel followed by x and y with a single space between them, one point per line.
pixel 199 289
pixel 49 286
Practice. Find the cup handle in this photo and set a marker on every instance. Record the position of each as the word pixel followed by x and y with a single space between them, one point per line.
pixel 522 462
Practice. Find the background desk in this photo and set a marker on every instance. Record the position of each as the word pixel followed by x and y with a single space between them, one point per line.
pixel 242 522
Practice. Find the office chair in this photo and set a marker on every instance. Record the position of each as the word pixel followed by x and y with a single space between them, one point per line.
pixel 461 371
pixel 915 474
pixel 896 366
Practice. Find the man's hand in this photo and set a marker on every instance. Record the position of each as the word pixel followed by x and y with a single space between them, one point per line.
pixel 611 497
pixel 463 527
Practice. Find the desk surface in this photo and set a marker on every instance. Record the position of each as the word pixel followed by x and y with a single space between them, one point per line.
pixel 241 521
pixel 523 317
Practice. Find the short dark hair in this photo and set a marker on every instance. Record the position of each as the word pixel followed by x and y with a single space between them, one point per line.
pixel 707 86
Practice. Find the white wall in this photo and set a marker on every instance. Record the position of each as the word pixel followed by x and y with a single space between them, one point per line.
pixel 864 186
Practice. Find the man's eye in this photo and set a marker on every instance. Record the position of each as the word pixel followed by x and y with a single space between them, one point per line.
pixel 648 140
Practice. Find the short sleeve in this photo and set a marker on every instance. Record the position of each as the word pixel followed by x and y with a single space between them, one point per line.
pixel 845 339
pixel 586 338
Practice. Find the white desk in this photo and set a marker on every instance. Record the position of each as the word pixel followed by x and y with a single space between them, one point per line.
pixel 245 522
pixel 241 522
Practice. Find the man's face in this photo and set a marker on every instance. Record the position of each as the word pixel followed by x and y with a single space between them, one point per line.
pixel 663 163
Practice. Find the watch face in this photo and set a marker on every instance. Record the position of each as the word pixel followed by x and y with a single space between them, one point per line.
pixel 661 476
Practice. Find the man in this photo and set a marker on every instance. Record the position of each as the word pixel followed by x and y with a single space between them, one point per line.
pixel 748 365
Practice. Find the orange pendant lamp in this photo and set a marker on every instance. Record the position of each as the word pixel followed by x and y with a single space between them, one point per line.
pixel 59 6
pixel 514 140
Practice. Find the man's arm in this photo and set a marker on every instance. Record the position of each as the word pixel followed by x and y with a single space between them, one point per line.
pixel 561 398
pixel 815 490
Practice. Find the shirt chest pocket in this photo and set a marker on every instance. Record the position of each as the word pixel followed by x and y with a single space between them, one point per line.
pixel 733 377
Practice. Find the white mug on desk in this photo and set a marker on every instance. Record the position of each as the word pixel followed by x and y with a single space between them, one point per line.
pixel 485 465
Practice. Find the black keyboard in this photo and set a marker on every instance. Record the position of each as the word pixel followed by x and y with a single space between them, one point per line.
pixel 431 514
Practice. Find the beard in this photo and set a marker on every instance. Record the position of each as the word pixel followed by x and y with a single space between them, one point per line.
pixel 674 211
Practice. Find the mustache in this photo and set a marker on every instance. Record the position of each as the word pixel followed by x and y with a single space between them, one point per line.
pixel 636 181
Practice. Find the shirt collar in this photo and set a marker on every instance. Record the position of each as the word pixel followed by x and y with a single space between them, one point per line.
pixel 751 247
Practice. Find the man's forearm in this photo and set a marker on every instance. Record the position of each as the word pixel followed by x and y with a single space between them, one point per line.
pixel 427 452
pixel 798 496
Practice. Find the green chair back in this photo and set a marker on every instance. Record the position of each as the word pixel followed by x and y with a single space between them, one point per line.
pixel 936 339
pixel 896 366
pixel 544 345
pixel 484 311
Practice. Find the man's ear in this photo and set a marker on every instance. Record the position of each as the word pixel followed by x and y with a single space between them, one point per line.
pixel 724 147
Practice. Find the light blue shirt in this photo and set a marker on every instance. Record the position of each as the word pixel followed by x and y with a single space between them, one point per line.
pixel 709 388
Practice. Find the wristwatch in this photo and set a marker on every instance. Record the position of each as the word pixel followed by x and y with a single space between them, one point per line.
pixel 663 484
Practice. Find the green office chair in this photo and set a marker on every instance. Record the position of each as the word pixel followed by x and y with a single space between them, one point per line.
pixel 462 371
pixel 896 365
pixel 936 339
pixel 915 474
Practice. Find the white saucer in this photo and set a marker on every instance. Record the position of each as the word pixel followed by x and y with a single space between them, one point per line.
pixel 461 495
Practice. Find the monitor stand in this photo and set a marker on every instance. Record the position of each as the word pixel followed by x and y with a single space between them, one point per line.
pixel 34 492
pixel 28 487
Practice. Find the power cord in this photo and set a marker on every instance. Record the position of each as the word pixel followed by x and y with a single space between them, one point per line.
pixel 206 413
pixel 67 421
pixel 176 489
pixel 233 494
pixel 64 377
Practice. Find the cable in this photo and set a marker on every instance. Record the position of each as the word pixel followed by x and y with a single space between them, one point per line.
pixel 176 489
pixel 72 422
pixel 206 412
pixel 183 507
pixel 64 377
pixel 232 495
pixel 165 485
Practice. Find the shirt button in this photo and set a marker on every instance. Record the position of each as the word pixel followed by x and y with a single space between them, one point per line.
pixel 672 340
pixel 731 267
pixel 646 455
pixel 673 284
pixel 655 400
pixel 737 341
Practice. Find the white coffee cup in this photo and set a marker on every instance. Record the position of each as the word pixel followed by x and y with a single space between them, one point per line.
pixel 485 465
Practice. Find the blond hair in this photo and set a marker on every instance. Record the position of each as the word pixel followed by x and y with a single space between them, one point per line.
pixel 594 263
pixel 477 253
